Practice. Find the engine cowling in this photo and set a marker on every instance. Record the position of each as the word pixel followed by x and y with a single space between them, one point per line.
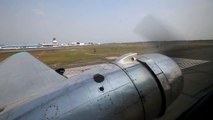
pixel 156 77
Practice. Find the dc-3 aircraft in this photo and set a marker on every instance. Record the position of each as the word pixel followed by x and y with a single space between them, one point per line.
pixel 133 87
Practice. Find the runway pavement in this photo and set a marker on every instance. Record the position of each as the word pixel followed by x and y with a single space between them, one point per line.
pixel 197 68
pixel 198 79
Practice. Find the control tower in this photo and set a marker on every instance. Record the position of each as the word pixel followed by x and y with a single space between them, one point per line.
pixel 54 41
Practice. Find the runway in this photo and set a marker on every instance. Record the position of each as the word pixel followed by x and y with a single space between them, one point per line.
pixel 197 68
pixel 198 80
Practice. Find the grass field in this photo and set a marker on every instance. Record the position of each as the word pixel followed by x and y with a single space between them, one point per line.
pixel 77 56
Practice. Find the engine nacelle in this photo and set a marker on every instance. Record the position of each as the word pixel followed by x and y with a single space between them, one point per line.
pixel 131 88
pixel 157 79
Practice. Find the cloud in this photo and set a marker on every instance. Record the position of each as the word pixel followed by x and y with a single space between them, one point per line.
pixel 38 12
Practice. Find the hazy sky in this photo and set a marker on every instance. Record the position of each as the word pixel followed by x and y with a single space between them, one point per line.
pixel 34 21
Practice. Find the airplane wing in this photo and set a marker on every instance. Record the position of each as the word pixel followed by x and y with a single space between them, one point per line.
pixel 22 76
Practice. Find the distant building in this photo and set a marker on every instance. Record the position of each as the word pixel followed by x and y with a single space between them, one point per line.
pixel 21 46
pixel 81 43
pixel 65 44
pixel 47 44
pixel 77 44
pixel 54 43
